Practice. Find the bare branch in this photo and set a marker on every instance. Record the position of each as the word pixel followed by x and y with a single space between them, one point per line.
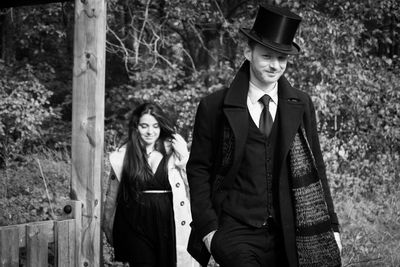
pixel 122 48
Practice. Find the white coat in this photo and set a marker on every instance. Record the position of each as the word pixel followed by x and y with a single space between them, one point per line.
pixel 180 198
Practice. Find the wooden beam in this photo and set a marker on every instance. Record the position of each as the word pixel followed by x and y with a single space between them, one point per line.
pixel 9 247
pixel 17 3
pixel 88 122
pixel 65 233
pixel 37 241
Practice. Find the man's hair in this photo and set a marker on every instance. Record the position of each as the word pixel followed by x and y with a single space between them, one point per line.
pixel 251 43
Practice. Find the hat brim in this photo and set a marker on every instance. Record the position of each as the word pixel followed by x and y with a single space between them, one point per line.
pixel 292 49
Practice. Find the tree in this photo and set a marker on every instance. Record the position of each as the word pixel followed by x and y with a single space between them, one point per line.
pixel 7 36
pixel 24 106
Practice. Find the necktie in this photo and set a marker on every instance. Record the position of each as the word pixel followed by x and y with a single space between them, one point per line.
pixel 265 118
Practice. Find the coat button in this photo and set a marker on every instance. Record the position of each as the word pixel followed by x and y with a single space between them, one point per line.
pixel 178 185
pixel 183 223
pixel 182 203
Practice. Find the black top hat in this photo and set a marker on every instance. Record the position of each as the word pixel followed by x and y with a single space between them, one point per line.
pixel 275 28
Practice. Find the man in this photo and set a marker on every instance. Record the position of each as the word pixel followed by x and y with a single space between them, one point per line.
pixel 259 191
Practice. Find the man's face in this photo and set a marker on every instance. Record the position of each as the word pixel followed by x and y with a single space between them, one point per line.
pixel 266 65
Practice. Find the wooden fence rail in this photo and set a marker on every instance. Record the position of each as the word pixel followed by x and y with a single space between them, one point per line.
pixel 45 243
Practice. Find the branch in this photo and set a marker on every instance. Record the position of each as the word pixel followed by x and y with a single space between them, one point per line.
pixel 146 16
pixel 52 214
pixel 201 40
pixel 233 10
pixel 122 47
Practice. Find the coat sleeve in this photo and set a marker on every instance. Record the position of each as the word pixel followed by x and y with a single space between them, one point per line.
pixel 315 146
pixel 199 171
pixel 109 207
pixel 178 161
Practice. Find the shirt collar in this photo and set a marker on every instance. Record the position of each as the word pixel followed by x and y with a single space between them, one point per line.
pixel 256 93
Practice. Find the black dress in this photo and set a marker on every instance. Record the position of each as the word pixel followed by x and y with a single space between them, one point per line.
pixel 143 231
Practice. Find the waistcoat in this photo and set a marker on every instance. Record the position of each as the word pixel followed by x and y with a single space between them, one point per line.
pixel 251 198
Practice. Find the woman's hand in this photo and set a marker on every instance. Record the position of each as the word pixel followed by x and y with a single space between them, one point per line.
pixel 179 146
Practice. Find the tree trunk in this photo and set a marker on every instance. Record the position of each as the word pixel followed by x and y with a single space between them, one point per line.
pixel 7 37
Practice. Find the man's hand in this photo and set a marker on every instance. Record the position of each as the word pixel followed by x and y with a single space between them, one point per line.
pixel 338 241
pixel 207 240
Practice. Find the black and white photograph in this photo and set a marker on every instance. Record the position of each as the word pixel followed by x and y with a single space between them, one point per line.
pixel 184 133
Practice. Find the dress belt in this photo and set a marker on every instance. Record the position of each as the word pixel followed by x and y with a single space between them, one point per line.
pixel 156 191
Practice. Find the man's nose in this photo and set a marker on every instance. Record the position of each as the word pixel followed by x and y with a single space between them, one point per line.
pixel 274 63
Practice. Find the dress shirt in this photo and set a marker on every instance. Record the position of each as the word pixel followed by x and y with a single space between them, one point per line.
pixel 255 107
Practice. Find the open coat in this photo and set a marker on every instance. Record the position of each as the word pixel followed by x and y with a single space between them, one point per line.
pixel 180 198
pixel 209 179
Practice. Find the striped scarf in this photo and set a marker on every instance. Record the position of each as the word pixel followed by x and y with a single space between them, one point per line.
pixel 316 245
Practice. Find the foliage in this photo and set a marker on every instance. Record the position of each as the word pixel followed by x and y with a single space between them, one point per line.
pixel 23 197
pixel 356 98
pixel 181 104
pixel 24 106
pixel 380 19
pixel 42 33
pixel 370 231
pixel 181 35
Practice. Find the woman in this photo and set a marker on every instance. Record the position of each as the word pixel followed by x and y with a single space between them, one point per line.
pixel 151 225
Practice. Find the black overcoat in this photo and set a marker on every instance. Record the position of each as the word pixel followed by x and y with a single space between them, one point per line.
pixel 208 189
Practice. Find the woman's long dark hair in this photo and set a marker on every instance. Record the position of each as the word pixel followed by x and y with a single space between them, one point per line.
pixel 136 170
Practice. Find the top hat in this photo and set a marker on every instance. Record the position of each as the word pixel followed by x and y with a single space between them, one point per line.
pixel 275 28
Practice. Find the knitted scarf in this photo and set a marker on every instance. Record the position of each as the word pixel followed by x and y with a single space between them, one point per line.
pixel 316 245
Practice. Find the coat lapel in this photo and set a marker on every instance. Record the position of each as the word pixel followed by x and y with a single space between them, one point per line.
pixel 290 112
pixel 235 110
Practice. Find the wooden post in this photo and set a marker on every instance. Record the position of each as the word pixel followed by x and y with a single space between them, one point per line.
pixel 73 210
pixel 88 123
pixel 9 247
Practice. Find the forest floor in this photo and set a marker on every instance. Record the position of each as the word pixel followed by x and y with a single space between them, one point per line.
pixel 370 227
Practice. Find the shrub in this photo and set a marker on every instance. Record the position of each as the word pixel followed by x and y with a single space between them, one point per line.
pixel 23 109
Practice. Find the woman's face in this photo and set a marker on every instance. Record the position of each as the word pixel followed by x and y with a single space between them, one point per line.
pixel 149 129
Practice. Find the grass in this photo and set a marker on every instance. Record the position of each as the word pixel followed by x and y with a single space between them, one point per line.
pixel 370 231
pixel 23 195
pixel 370 224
